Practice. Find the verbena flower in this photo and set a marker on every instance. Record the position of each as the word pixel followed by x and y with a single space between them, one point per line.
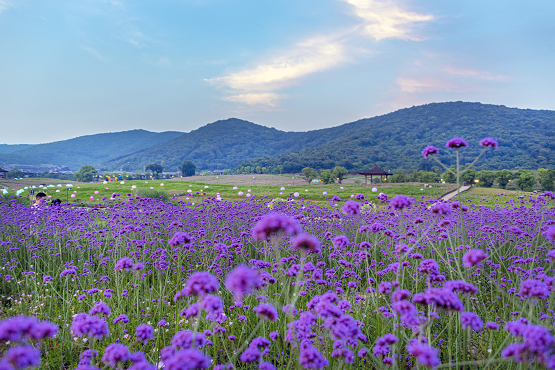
pixel 22 357
pixel 200 283
pixel 472 321
pixel 474 257
pixel 489 142
pixel 351 208
pixel 306 243
pixel 144 332
pixel 266 311
pixel 456 143
pixel 429 150
pixel 115 353
pixel 273 224
pixel 401 202
pixel 425 354
pixel 241 281
pixel 179 238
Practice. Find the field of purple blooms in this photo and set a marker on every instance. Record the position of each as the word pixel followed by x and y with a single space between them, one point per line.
pixel 147 284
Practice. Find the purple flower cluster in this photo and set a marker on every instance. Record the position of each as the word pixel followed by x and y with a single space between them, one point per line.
pixel 273 224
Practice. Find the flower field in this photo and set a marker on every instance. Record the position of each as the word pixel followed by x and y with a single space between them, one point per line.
pixel 256 283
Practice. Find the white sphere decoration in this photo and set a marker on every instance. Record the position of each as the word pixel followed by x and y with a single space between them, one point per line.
pixel 374 190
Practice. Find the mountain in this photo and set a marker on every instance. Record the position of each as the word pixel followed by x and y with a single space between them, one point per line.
pixel 222 144
pixel 9 148
pixel 395 140
pixel 90 149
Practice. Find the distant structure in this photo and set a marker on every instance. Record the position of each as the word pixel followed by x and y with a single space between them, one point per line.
pixel 3 173
pixel 376 171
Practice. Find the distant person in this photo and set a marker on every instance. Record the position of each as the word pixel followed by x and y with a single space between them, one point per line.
pixel 56 202
pixel 40 199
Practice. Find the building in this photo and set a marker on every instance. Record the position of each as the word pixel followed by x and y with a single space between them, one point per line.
pixel 376 171
pixel 3 173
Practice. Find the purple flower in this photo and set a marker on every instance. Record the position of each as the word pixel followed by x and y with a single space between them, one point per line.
pixel 425 354
pixel 67 272
pixel 100 308
pixel 429 150
pixel 534 288
pixel 89 325
pixel 401 201
pixel 250 355
pixel 384 287
pixel 441 209
pixel 187 359
pixel 184 339
pixel 241 281
pixel 22 357
pixel 124 263
pixel 489 142
pixel 275 223
pixel 492 326
pixel 121 318
pixel 266 366
pixel 144 332
pixel 474 257
pixel 351 208
pixel 470 319
pixel 461 287
pixel 200 283
pixel 115 353
pixel 456 143
pixel 340 241
pixel 266 311
pixel 212 304
pixel 179 238
pixel 550 233
pixel 441 298
pixel 162 323
pixel 306 243
pixel 311 358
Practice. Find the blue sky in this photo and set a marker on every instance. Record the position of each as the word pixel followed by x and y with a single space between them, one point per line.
pixel 70 68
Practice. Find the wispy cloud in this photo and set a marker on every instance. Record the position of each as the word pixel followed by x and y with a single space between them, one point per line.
pixel 474 73
pixel 309 56
pixel 256 85
pixel 95 53
pixel 411 85
pixel 253 99
pixel 4 4
pixel 385 19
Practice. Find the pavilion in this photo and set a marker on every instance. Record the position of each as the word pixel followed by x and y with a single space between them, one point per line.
pixel 3 173
pixel 376 171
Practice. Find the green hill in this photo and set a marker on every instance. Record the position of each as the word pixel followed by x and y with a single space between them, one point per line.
pixel 90 149
pixel 222 144
pixel 395 140
pixel 9 148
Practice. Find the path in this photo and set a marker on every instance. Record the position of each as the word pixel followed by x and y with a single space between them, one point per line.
pixel 454 193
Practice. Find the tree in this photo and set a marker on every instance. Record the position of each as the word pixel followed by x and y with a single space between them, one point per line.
pixel 156 169
pixel 468 176
pixel 280 168
pixel 450 177
pixel 15 173
pixel 309 174
pixel 187 168
pixel 546 178
pixel 526 180
pixel 326 177
pixel 503 178
pixel 339 173
pixel 86 173
pixel 485 178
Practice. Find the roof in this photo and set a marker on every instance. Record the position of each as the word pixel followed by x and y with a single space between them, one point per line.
pixel 3 170
pixel 375 171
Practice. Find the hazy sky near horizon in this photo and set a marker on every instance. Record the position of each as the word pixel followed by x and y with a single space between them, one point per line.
pixel 71 68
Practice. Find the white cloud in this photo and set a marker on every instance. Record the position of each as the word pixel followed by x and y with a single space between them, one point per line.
pixel 312 55
pixel 474 73
pixel 424 85
pixel 95 53
pixel 4 4
pixel 253 99
pixel 384 19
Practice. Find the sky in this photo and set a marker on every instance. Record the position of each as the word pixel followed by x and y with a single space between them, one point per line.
pixel 80 67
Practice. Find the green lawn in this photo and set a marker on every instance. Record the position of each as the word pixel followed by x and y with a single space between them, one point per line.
pixel 83 191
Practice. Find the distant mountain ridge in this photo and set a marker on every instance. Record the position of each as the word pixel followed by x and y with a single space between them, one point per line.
pixel 393 141
pixel 89 149
pixel 9 148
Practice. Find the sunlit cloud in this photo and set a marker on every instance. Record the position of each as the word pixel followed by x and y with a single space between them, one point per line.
pixel 474 73
pixel 312 55
pixel 411 85
pixel 384 19
pixel 268 99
